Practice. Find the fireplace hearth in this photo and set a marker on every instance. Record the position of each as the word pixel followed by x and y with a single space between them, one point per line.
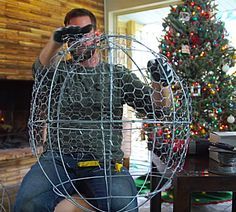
pixel 14 140
pixel 15 97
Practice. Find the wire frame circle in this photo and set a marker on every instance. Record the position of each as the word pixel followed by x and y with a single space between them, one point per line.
pixel 78 110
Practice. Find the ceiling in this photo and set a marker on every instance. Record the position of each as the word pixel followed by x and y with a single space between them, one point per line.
pixel 152 16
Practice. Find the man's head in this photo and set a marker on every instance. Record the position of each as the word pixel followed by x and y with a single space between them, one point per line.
pixel 72 15
pixel 84 19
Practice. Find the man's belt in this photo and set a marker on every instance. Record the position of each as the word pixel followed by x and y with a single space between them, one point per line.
pixel 94 163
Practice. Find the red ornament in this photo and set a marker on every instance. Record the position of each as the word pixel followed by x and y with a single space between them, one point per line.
pixel 195 39
pixel 168 54
pixel 166 37
pixel 98 33
pixel 207 15
pixel 178 145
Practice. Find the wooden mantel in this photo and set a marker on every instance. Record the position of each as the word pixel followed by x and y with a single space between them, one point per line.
pixel 14 164
pixel 14 153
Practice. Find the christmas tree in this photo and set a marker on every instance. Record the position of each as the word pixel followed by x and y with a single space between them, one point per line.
pixel 196 43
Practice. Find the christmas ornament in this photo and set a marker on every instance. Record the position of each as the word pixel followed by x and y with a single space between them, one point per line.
pixel 208 46
pixel 195 89
pixel 195 39
pixel 184 16
pixel 225 68
pixel 194 18
pixel 213 92
pixel 202 54
pixel 231 119
pixel 207 15
pixel 215 43
pixel 223 48
pixel 185 49
pixel 203 131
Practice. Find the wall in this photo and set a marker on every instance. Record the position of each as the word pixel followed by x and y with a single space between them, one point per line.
pixel 26 25
pixel 114 8
pixel 124 4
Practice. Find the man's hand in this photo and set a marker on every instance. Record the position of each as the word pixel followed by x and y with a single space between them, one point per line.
pixel 161 71
pixel 61 33
pixel 58 37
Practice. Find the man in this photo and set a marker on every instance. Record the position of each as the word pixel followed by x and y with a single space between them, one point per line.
pixel 92 151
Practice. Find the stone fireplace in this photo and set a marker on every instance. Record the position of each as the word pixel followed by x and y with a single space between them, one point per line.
pixel 15 97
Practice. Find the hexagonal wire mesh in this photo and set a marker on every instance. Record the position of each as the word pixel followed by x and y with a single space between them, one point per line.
pixel 76 109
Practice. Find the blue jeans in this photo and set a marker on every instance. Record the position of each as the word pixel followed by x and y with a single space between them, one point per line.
pixel 115 192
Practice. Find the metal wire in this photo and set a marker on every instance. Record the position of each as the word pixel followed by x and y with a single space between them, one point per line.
pixel 78 110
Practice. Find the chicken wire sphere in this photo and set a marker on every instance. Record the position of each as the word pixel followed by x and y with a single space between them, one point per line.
pixel 74 103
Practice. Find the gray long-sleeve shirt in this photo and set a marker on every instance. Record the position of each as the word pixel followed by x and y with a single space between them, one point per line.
pixel 83 107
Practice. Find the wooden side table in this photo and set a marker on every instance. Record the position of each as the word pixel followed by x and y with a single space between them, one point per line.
pixel 195 177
